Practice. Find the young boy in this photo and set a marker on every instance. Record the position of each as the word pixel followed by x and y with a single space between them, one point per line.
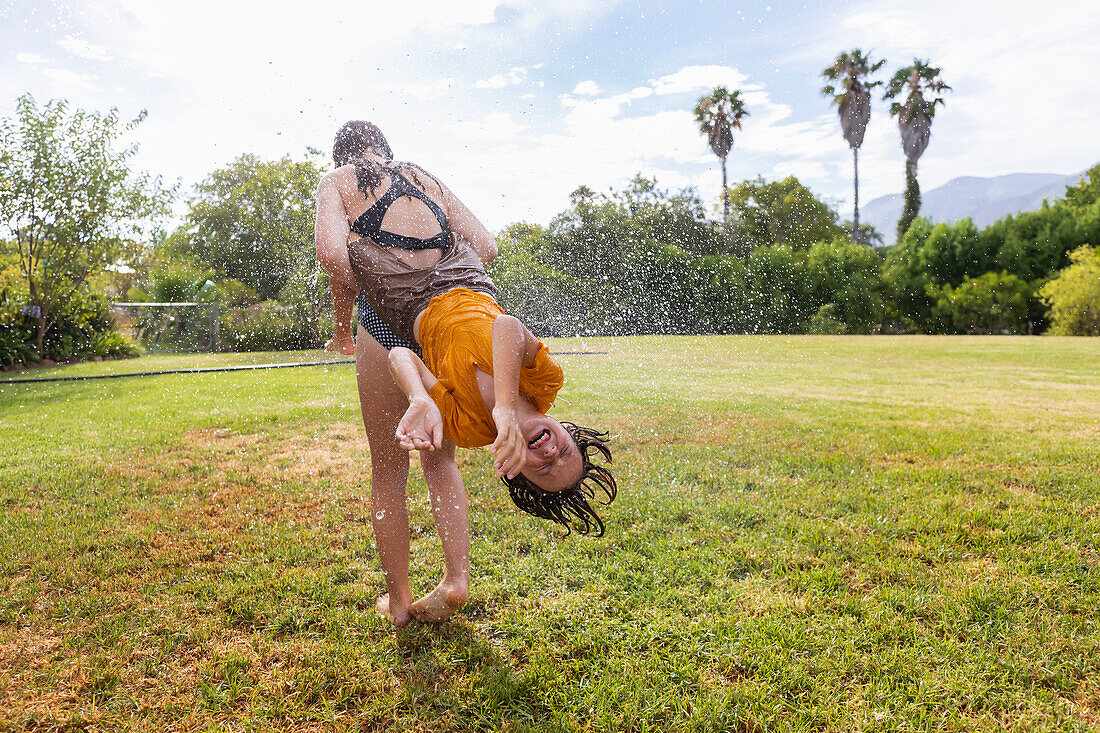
pixel 484 379
pixel 386 234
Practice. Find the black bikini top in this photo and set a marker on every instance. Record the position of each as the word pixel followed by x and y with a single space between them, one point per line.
pixel 369 223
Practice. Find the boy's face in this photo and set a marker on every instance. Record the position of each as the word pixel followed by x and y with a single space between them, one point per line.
pixel 553 460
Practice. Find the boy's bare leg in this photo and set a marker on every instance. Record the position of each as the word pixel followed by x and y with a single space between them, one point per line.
pixel 452 521
pixel 343 299
pixel 382 405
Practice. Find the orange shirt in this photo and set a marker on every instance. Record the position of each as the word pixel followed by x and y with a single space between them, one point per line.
pixel 456 336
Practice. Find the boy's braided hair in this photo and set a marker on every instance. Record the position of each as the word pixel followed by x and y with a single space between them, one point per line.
pixel 571 503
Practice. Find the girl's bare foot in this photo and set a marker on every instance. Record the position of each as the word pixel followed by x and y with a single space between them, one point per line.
pixel 383 607
pixel 343 344
pixel 441 603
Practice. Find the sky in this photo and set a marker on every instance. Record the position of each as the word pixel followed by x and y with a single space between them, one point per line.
pixel 516 103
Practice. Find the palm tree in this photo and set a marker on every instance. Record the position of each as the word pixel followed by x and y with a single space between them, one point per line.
pixel 921 83
pixel 717 114
pixel 853 101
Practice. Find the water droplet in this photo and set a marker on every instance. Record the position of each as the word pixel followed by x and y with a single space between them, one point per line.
pixel 380 515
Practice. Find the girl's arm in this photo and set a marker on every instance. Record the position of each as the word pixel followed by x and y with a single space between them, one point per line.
pixel 513 347
pixel 331 238
pixel 421 427
pixel 343 299
pixel 331 231
pixel 469 228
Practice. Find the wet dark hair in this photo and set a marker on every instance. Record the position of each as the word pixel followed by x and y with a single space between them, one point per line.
pixel 353 139
pixel 571 503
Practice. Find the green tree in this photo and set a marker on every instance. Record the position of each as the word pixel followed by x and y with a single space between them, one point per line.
pixel 931 256
pixel 717 114
pixel 544 298
pixel 1036 244
pixel 851 93
pixel 776 292
pixel 1074 296
pixel 779 212
pixel 675 218
pixel 69 202
pixel 992 303
pixel 1032 246
pixel 844 278
pixel 620 262
pixel 920 84
pixel 1086 192
pixel 590 238
pixel 253 221
pixel 628 262
pixel 867 235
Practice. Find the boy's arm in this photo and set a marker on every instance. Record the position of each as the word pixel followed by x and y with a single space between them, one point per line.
pixel 513 347
pixel 421 427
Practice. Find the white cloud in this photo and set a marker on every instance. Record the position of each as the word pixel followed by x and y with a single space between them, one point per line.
pixel 515 75
pixel 1008 111
pixel 421 92
pixel 603 141
pixel 271 84
pixel 801 169
pixel 587 88
pixel 700 78
pixel 496 126
pixel 83 49
pixel 71 79
pixel 268 84
pixel 596 109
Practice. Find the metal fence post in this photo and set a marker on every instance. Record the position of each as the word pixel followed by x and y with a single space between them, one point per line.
pixel 215 328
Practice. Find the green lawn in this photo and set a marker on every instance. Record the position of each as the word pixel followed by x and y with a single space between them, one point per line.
pixel 812 533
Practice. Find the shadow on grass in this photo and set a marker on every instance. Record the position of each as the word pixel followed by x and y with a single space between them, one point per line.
pixel 457 672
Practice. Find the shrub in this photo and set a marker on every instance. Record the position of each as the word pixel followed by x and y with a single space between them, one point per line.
pixel 1074 296
pixel 268 326
pixel 826 323
pixel 235 294
pixel 16 341
pixel 113 343
pixel 178 284
pixel 845 276
pixel 989 304
pixel 84 329
pixel 83 323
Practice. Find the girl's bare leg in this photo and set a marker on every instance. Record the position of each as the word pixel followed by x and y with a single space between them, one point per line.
pixel 452 521
pixel 383 403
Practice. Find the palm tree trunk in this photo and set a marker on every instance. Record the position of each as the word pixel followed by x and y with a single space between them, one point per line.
pixel 912 199
pixel 855 216
pixel 725 196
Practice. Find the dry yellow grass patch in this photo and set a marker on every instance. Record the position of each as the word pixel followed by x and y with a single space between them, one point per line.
pixel 230 479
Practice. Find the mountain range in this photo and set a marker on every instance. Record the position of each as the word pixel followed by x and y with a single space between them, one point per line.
pixel 985 200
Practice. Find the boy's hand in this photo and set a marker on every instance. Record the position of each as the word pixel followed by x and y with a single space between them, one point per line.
pixel 421 427
pixel 509 449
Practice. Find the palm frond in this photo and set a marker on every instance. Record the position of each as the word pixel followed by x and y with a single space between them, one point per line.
pixel 852 96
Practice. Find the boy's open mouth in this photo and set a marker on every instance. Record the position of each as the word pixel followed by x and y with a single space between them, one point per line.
pixel 539 440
